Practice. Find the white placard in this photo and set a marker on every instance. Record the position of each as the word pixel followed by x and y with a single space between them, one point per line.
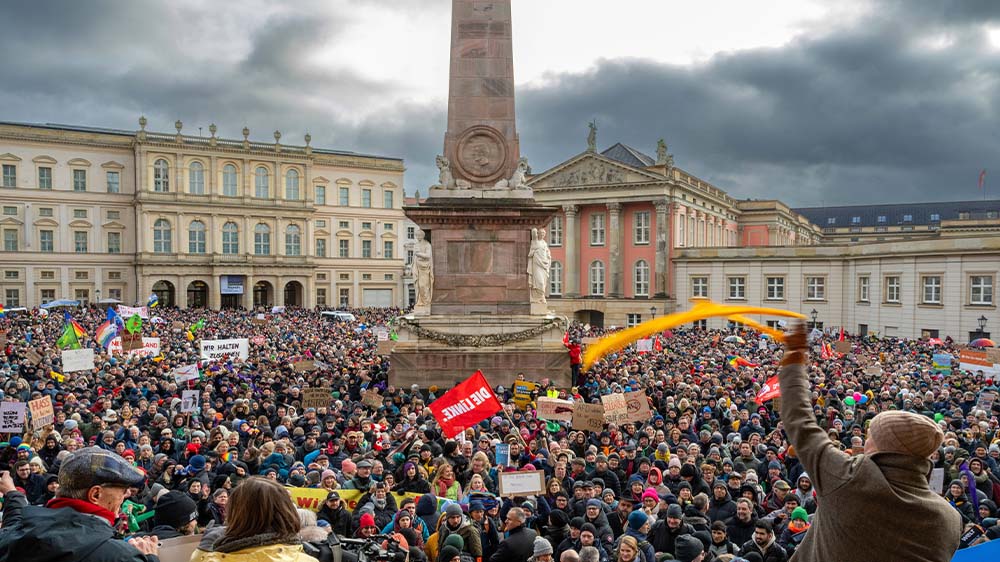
pixel 189 401
pixel 645 344
pixel 382 334
pixel 186 373
pixel 77 360
pixel 150 347
pixel 937 480
pixel 126 312
pixel 217 349
pixel 12 417
pixel 521 483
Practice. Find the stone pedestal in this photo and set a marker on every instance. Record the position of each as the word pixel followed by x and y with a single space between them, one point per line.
pixel 424 355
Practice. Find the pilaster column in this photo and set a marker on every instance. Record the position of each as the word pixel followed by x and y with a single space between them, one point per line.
pixel 663 244
pixel 248 284
pixel 214 297
pixel 571 239
pixel 616 238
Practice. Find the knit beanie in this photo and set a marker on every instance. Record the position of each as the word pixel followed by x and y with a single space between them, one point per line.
pixel 453 510
pixel 541 547
pixel 650 493
pixel 687 548
pixel 456 540
pixel 800 513
pixel 637 519
pixel 367 520
pixel 449 552
pixel 347 466
pixel 674 461
pixel 175 509
pixel 905 433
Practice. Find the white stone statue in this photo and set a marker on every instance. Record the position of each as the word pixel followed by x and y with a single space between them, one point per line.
pixel 423 269
pixel 516 180
pixel 445 178
pixel 592 137
pixel 539 264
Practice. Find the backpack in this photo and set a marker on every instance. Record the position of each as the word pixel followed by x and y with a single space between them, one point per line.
pixel 613 555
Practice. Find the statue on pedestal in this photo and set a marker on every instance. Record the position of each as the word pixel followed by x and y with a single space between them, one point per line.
pixel 592 137
pixel 423 269
pixel 539 264
pixel 445 178
pixel 517 179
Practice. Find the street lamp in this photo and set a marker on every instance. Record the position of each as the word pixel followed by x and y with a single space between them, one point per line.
pixel 652 312
pixel 982 323
pixel 814 314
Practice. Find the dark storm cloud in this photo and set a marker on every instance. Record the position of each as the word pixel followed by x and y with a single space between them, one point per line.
pixel 866 110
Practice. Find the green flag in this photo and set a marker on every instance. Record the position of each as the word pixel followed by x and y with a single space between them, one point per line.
pixel 133 324
pixel 68 339
pixel 197 326
pixel 394 336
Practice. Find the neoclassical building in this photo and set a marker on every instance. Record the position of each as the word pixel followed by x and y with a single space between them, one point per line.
pixel 637 236
pixel 99 214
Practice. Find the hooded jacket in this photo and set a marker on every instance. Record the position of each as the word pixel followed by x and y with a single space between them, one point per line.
pixel 721 510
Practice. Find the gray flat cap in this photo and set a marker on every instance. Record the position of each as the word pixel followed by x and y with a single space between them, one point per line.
pixel 94 466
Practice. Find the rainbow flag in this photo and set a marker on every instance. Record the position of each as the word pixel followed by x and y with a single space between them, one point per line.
pixel 80 332
pixel 106 332
pixel 2 311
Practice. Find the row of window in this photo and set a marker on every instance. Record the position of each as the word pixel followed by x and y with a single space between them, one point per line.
pixel 50 275
pixel 262 185
pixel 641 226
pixel 980 288
pixel 641 275
pixel 80 178
pixel 12 297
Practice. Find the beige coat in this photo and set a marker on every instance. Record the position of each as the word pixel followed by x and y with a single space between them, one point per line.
pixel 869 507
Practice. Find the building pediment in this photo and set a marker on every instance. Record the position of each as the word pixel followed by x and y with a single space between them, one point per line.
pixel 46 222
pixel 112 165
pixel 8 157
pixel 11 221
pixel 43 159
pixel 589 169
pixel 80 223
pixel 345 233
pixel 79 163
pixel 322 232
pixel 320 179
pixel 113 225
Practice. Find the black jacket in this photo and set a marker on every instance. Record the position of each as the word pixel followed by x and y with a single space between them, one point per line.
pixel 40 534
pixel 774 552
pixel 339 519
pixel 517 547
pixel 663 538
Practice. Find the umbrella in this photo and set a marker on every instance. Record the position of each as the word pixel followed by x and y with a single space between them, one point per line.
pixel 734 339
pixel 982 342
pixel 935 341
pixel 60 302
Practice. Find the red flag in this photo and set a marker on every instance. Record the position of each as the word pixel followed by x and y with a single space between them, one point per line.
pixel 657 344
pixel 769 391
pixel 469 403
pixel 841 333
pixel 982 178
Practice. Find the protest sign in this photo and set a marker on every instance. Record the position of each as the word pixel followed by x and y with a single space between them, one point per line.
pixel 937 480
pixel 178 549
pixel 842 346
pixel 588 341
pixel 522 393
pixel 304 365
pixel 873 370
pixel 3 339
pixel 41 412
pixel 186 373
pixel 130 341
pixel 371 398
pixel 12 417
pixel 258 340
pixel 502 451
pixel 232 348
pixel 315 397
pixel 33 357
pixel 553 409
pixel 77 360
pixel 189 401
pixel 177 326
pixel 129 311
pixel 942 362
pixel 638 407
pixel 521 483
pixel 974 361
pixel 589 417
pixel 382 333
pixel 150 347
pixel 615 408
pixel 644 345
pixel 314 498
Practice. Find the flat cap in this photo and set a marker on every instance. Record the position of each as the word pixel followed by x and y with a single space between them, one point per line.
pixel 93 466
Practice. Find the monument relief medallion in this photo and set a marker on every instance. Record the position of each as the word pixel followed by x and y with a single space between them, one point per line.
pixel 482 154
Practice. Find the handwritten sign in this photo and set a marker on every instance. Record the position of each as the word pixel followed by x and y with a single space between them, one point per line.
pixel 150 347
pixel 189 401
pixel 33 357
pixel 315 397
pixel 304 365
pixel 589 417
pixel 217 349
pixel 842 346
pixel 177 326
pixel 553 409
pixel 638 407
pixel 77 360
pixel 521 483
pixel 615 408
pixel 381 333
pixel 129 311
pixel 12 417
pixel 371 398
pixel 41 412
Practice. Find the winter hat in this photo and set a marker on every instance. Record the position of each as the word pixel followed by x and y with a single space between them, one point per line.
pixel 70 425
pixel 577 522
pixel 456 540
pixel 905 433
pixel 589 527
pixel 367 520
pixel 326 474
pixel 476 505
pixel 197 462
pixel 594 502
pixel 800 513
pixel 674 461
pixel 650 493
pixel 453 510
pixel 675 512
pixel 348 466
pixel 541 547
pixel 447 553
pixel 637 519
pixel 688 470
pixel 175 509
pixel 687 548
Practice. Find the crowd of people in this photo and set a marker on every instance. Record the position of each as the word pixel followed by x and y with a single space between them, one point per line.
pixel 713 475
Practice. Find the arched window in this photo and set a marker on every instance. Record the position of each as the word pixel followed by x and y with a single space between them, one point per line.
pixel 293 240
pixel 292 185
pixel 641 277
pixel 597 278
pixel 196 178
pixel 161 176
pixel 230 238
pixel 196 237
pixel 262 183
pixel 262 239
pixel 229 181
pixel 162 237
pixel 555 278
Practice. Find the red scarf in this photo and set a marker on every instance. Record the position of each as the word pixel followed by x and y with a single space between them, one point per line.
pixel 83 507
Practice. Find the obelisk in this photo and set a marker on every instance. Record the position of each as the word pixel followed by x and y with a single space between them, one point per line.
pixel 475 307
pixel 481 141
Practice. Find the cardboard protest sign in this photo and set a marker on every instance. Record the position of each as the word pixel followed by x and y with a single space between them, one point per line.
pixel 553 409
pixel 41 412
pixel 33 357
pixel 149 347
pixel 3 339
pixel 304 365
pixel 371 398
pixel 77 360
pixel 638 407
pixel 177 326
pixel 189 401
pixel 521 483
pixel 589 417
pixel 615 408
pixel 12 417
pixel 130 341
pixel 232 348
pixel 315 397
pixel 178 549
pixel 842 346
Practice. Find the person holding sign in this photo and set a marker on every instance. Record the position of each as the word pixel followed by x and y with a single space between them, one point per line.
pixel 881 493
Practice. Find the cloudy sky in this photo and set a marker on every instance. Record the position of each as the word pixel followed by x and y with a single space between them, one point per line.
pixel 810 101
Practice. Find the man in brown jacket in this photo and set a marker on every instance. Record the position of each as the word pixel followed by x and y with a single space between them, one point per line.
pixel 877 506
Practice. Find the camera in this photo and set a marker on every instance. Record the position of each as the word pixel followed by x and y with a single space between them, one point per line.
pixel 376 548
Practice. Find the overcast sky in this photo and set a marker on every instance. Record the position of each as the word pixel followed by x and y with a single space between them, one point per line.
pixel 813 102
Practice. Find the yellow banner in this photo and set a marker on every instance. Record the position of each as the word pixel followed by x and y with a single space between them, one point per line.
pixel 313 498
